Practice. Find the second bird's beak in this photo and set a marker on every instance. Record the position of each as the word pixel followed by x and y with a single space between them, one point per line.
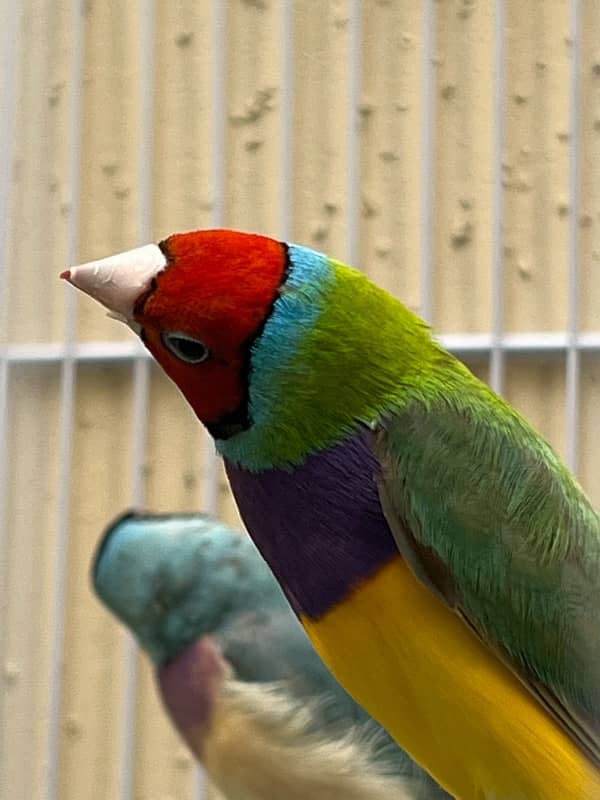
pixel 117 281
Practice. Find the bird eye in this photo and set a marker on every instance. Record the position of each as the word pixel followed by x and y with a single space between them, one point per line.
pixel 185 347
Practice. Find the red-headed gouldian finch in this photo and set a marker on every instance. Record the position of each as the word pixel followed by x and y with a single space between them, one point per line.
pixel 442 559
pixel 237 673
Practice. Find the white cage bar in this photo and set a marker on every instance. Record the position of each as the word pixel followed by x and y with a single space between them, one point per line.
pixel 68 366
pixel 497 350
pixel 573 365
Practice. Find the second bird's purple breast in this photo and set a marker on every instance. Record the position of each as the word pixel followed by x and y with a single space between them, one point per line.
pixel 320 526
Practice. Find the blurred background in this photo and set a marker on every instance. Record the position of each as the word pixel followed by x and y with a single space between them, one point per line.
pixel 450 149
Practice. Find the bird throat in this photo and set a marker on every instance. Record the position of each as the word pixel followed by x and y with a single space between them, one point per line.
pixel 230 424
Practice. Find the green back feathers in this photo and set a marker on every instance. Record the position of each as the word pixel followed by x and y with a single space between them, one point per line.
pixel 491 519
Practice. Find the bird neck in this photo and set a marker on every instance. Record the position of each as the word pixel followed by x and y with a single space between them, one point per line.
pixel 335 354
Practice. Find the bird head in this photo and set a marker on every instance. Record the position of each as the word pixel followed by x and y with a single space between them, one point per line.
pixel 172 578
pixel 279 349
pixel 198 301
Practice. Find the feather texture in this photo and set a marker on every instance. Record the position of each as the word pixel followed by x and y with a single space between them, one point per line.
pixel 264 745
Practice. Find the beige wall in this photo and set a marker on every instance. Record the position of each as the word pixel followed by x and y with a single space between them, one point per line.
pixel 292 167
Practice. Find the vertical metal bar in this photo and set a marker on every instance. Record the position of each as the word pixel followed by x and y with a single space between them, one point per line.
pixel 210 484
pixel 219 90
pixel 4 527
pixel 65 449
pixel 67 407
pixel 427 156
pixel 10 13
pixel 141 380
pixel 573 354
pixel 141 373
pixel 141 384
pixel 286 171
pixel 353 160
pixel 4 377
pixel 497 357
pixel 209 500
pixel 146 100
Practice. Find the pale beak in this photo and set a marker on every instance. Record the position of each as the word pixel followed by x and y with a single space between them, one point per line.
pixel 118 281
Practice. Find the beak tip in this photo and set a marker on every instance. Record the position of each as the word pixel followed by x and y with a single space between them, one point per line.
pixel 117 281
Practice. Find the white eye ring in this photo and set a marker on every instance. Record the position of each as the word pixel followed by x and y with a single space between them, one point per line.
pixel 185 347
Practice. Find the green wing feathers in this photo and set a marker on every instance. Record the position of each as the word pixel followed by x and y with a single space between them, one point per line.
pixel 491 520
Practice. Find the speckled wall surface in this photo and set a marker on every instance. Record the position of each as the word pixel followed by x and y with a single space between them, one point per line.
pixel 302 120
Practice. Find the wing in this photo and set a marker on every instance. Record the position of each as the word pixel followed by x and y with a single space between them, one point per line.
pixel 491 521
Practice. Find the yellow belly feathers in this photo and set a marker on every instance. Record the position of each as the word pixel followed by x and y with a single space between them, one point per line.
pixel 445 698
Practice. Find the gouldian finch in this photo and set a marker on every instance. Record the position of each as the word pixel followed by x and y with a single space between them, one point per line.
pixel 236 671
pixel 442 559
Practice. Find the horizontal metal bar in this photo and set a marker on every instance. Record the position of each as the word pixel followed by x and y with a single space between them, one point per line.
pixel 461 344
pixel 526 344
pixel 55 352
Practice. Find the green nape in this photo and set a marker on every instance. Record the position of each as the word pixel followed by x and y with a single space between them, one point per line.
pixel 363 354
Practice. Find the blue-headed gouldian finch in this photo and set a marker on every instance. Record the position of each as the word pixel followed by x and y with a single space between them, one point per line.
pixel 236 671
pixel 440 556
